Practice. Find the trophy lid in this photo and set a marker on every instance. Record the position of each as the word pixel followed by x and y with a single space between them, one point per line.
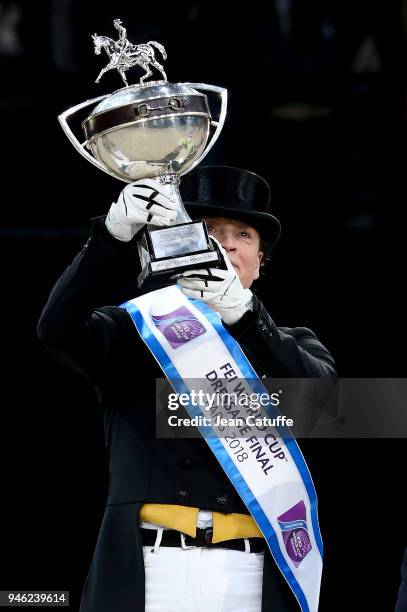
pixel 140 93
pixel 139 104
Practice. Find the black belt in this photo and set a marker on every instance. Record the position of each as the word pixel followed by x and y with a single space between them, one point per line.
pixel 203 539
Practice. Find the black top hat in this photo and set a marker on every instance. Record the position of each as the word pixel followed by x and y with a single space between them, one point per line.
pixel 222 191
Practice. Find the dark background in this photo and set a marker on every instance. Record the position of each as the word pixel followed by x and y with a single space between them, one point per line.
pixel 318 107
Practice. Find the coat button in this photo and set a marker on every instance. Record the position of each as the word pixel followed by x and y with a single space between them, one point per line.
pixel 182 494
pixel 262 326
pixel 222 499
pixel 187 462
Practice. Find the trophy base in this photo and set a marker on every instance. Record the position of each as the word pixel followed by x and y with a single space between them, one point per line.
pixel 166 252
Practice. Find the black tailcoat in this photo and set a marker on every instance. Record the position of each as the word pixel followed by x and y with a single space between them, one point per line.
pixel 83 327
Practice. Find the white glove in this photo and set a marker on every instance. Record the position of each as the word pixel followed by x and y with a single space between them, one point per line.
pixel 141 202
pixel 221 289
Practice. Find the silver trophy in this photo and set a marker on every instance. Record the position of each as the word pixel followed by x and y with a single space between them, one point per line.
pixel 152 130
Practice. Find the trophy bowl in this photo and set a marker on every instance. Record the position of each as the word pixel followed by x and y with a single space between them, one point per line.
pixel 144 131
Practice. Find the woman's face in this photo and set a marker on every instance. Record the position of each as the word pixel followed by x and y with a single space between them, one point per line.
pixel 242 244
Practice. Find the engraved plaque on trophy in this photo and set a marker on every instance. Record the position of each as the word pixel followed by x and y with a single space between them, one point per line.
pixel 153 129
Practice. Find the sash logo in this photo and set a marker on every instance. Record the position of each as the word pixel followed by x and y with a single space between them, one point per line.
pixel 179 326
pixel 295 532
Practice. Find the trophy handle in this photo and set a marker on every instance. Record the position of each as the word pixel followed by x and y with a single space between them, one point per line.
pixel 80 147
pixel 223 93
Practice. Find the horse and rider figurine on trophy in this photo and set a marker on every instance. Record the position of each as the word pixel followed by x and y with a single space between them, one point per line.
pixel 124 55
